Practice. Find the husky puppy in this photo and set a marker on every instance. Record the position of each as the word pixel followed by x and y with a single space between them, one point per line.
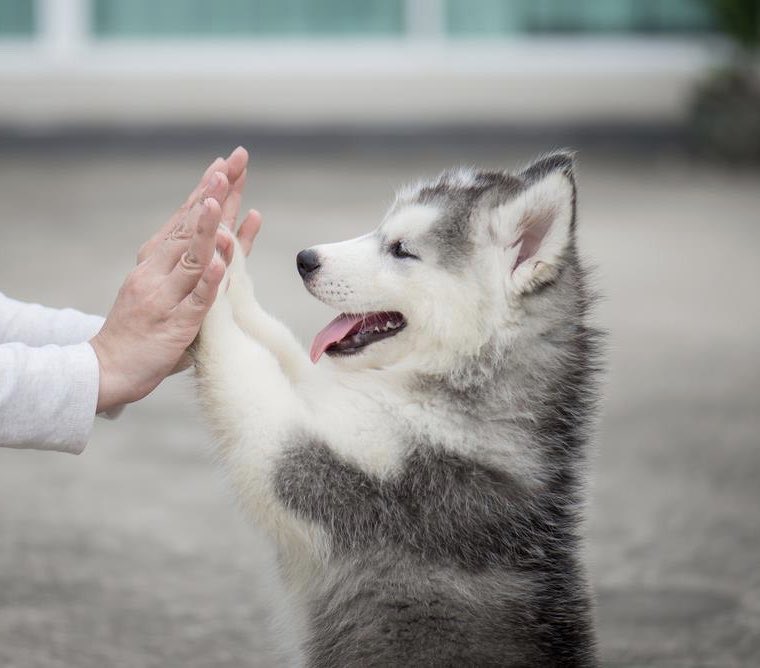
pixel 424 482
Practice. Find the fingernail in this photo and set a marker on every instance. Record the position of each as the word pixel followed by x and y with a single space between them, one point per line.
pixel 213 167
pixel 213 181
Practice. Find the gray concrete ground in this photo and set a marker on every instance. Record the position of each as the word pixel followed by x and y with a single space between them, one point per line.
pixel 134 554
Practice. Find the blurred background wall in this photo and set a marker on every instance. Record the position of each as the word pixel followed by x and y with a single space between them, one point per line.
pixel 328 63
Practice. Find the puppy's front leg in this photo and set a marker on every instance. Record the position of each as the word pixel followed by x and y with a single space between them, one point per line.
pixel 254 412
pixel 257 323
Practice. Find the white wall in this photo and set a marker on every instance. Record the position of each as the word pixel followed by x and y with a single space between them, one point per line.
pixel 66 78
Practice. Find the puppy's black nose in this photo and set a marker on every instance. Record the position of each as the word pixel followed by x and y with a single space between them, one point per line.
pixel 307 262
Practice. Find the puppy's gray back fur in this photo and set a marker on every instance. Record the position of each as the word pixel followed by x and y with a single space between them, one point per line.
pixel 452 561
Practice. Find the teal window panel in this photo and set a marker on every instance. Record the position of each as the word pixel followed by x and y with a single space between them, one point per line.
pixel 674 16
pixel 17 18
pixel 209 18
pixel 504 17
pixel 489 17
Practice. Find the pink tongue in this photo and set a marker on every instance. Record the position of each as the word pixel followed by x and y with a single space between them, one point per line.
pixel 333 333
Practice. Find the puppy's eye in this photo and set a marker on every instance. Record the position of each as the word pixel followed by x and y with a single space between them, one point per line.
pixel 398 250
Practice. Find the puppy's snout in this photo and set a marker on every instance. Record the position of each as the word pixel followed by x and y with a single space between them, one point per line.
pixel 307 262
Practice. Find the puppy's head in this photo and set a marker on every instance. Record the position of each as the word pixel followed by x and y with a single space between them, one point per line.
pixel 449 269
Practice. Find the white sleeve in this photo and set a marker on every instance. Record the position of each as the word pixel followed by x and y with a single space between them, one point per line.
pixel 38 325
pixel 48 396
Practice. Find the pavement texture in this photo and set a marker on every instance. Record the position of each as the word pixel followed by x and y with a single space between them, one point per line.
pixel 134 554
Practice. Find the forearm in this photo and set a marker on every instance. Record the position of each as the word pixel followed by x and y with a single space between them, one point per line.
pixel 37 325
pixel 238 373
pixel 48 396
pixel 260 325
pixel 254 413
pixel 277 338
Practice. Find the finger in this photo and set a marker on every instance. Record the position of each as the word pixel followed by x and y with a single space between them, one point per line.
pixel 195 260
pixel 219 165
pixel 224 244
pixel 231 206
pixel 237 161
pixel 198 302
pixel 168 253
pixel 149 247
pixel 249 228
pixel 216 187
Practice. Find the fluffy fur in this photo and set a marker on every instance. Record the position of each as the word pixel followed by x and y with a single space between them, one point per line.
pixel 425 494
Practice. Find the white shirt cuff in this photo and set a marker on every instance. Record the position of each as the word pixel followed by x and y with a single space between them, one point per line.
pixel 48 396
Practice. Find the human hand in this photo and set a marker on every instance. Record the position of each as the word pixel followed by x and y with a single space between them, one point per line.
pixel 235 168
pixel 251 223
pixel 162 303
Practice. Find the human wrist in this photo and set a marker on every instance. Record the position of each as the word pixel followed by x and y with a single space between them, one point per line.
pixel 113 383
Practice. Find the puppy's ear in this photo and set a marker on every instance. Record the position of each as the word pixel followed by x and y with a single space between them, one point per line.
pixel 537 224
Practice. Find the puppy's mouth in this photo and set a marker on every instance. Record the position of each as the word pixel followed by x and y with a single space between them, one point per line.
pixel 351 333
